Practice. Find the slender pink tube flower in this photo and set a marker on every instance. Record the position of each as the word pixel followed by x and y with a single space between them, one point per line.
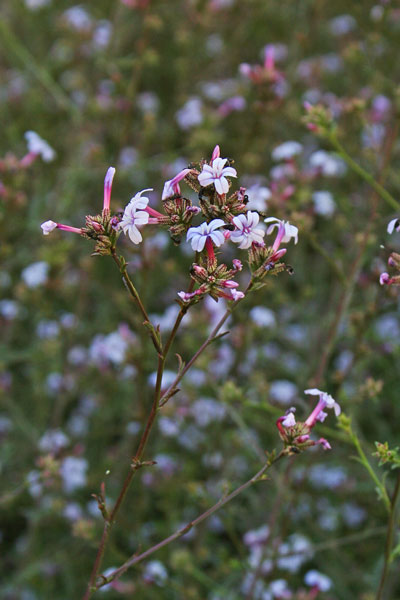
pixel 49 226
pixel 171 187
pixel 325 401
pixel 108 180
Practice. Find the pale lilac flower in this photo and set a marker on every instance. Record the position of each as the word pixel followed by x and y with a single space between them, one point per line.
pixel 236 103
pixel 77 18
pixel 73 473
pixel 286 151
pixel 9 309
pixel 34 4
pixel 53 441
pixel 258 196
pixel 171 187
pixel 246 232
pixel 394 225
pixel 134 215
pixel 191 113
pixel 329 164
pixel 262 316
pixel 279 589
pixel 155 572
pixel 35 274
pixel 316 579
pixel 289 420
pixel 217 174
pixel 206 411
pixel 342 25
pixel 38 146
pixel 290 231
pixel 199 235
pixel 236 295
pixel 48 227
pixel 107 187
pixel 324 203
pixel 325 401
pixel 283 391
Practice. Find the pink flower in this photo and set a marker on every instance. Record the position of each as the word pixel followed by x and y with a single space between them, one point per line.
pixel 384 279
pixel 325 401
pixel 107 187
pixel 49 226
pixel 171 187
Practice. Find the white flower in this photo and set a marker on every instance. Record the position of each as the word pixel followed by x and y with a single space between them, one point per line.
pixel 324 203
pixel 329 164
pixel 258 196
pixel 393 225
pixel 48 227
pixel 197 236
pixel 35 274
pixel 37 145
pixel 216 174
pixel 134 215
pixel 289 420
pixel 286 150
pixel 290 230
pixel 325 398
pixel 315 578
pixel 246 231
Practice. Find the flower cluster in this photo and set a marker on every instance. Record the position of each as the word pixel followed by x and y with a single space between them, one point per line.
pixel 226 219
pixel 296 435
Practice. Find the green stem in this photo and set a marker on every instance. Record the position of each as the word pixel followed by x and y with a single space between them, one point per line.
pixel 389 539
pixel 373 475
pixel 370 179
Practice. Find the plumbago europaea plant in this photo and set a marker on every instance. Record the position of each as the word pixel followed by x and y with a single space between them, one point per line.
pixel 223 218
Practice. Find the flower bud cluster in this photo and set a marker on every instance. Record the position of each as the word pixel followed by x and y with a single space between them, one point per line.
pixel 180 213
pixel 103 230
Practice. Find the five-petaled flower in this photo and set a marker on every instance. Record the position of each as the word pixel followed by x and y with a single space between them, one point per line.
pixel 198 236
pixel 135 215
pixel 246 231
pixel 217 173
